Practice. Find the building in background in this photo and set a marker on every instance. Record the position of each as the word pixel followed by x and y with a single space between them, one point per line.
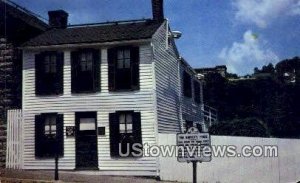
pixel 221 69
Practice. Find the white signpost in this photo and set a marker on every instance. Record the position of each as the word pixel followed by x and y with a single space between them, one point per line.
pixel 194 147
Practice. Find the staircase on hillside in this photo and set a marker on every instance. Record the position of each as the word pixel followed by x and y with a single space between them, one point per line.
pixel 210 115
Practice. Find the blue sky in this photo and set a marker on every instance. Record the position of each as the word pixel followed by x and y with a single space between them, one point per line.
pixel 241 34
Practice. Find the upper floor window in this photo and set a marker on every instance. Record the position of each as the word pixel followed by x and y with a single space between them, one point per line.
pixel 123 59
pixel 125 131
pixel 197 92
pixel 49 73
pixel 123 71
pixel 187 85
pixel 85 71
pixel 49 136
pixel 86 61
pixel 50 63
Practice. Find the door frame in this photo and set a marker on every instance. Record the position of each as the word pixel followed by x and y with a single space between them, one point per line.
pixel 88 114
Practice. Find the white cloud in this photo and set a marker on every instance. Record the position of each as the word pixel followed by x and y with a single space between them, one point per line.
pixel 242 57
pixel 263 12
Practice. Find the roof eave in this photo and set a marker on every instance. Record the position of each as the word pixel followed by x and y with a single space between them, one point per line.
pixel 82 45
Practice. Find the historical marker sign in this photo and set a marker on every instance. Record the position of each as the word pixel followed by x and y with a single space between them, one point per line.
pixel 193 146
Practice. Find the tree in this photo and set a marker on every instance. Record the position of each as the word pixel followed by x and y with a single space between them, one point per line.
pixel 250 127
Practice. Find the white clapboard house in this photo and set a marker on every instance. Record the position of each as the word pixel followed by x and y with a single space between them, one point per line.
pixel 89 88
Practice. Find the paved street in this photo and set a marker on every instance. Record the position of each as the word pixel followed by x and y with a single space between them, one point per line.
pixel 21 176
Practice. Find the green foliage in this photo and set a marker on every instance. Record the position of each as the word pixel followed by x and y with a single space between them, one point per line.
pixel 250 127
pixel 269 101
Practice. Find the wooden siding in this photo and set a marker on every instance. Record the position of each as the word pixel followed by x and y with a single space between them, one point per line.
pixel 167 85
pixel 191 111
pixel 103 103
pixel 172 107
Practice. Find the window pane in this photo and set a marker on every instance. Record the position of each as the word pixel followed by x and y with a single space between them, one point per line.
pixel 129 128
pixel 120 54
pixel 53 129
pixel 128 118
pixel 89 65
pixel 87 124
pixel 127 63
pixel 83 57
pixel 122 128
pixel 47 129
pixel 122 118
pixel 89 56
pixel 120 63
pixel 126 53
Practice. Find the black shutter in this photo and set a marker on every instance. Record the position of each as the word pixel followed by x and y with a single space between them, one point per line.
pixel 59 87
pixel 39 135
pixel 96 69
pixel 60 134
pixel 112 59
pixel 39 74
pixel 74 71
pixel 136 126
pixel 135 70
pixel 114 134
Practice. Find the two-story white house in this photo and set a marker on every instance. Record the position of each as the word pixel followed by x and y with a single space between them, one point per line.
pixel 89 88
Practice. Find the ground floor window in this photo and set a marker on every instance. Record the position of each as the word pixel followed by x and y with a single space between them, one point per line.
pixel 49 137
pixel 125 131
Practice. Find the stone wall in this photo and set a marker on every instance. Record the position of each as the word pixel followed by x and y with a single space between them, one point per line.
pixel 2 144
pixel 10 87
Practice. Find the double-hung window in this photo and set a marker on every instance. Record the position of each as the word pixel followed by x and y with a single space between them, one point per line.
pixel 125 131
pixel 49 137
pixel 49 73
pixel 85 71
pixel 123 71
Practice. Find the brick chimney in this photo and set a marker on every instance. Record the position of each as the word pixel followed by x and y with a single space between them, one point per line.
pixel 58 19
pixel 158 10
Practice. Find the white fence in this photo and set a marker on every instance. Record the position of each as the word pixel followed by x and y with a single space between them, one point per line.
pixel 282 169
pixel 14 151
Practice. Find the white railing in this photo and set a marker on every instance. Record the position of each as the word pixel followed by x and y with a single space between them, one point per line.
pixel 210 115
pixel 14 150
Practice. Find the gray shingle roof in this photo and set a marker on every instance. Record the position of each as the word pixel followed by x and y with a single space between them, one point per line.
pixel 101 33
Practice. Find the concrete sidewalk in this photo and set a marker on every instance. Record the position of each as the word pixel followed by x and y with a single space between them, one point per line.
pixel 25 176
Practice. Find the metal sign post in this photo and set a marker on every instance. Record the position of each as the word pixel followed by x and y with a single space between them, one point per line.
pixel 194 171
pixel 56 167
pixel 56 178
pixel 191 146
